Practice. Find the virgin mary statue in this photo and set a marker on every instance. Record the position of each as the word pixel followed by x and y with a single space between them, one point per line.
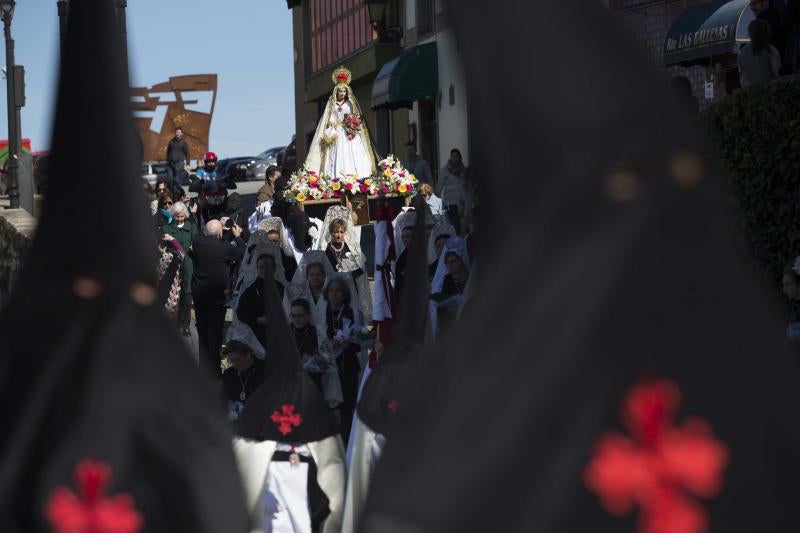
pixel 341 144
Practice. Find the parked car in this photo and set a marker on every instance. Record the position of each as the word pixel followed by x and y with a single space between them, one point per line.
pixel 235 167
pixel 152 170
pixel 258 169
pixel 287 157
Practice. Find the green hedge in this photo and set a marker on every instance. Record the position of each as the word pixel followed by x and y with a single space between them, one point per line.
pixel 756 134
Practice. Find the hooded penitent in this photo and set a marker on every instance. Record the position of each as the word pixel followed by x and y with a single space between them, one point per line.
pixel 290 440
pixel 390 383
pixel 620 368
pixel 106 417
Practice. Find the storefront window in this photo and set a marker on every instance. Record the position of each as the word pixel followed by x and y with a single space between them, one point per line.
pixel 336 29
pixel 425 17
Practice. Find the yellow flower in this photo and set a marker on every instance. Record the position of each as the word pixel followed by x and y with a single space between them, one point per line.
pixel 402 188
pixel 336 186
pixel 300 197
pixel 387 173
pixel 413 178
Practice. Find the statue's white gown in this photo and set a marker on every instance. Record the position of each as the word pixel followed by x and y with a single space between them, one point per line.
pixel 345 156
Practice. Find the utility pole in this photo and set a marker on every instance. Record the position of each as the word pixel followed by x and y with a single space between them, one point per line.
pixel 14 141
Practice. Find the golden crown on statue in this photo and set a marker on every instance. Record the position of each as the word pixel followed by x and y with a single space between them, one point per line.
pixel 341 76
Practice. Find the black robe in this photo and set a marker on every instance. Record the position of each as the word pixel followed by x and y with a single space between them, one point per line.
pixel 308 344
pixel 347 365
pixel 232 382
pixel 289 265
pixel 400 273
pixel 251 307
pixel 329 252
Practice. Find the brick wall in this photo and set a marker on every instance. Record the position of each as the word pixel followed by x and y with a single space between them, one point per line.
pixel 648 21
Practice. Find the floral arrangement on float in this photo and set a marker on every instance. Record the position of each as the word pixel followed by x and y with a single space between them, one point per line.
pixel 392 180
pixel 397 179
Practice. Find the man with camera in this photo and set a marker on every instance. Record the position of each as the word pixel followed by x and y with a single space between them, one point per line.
pixel 213 256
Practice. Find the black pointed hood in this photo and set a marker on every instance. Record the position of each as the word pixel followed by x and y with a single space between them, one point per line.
pixel 287 406
pixel 104 399
pixel 391 381
pixel 617 311
pixel 94 155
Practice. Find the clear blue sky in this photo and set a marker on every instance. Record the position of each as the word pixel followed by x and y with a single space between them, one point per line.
pixel 248 43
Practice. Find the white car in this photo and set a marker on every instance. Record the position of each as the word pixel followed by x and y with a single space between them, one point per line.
pixel 258 169
pixel 152 170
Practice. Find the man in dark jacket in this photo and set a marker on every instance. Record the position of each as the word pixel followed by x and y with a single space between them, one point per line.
pixel 210 280
pixel 177 156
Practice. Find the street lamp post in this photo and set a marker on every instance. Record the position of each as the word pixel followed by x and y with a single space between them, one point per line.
pixel 123 31
pixel 14 142
pixel 62 22
pixel 375 10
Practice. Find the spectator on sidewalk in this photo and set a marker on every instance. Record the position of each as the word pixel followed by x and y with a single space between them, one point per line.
pixel 177 157
pixel 766 11
pixel 210 289
pixel 452 188
pixel 163 214
pixel 184 231
pixel 416 165
pixel 759 61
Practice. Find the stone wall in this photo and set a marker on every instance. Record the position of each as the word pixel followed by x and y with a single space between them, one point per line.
pixel 16 231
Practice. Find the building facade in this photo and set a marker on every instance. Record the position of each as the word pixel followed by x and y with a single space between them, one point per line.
pixel 715 30
pixel 421 94
pixel 441 124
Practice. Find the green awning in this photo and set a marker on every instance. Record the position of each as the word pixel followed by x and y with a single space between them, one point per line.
pixel 412 76
pixel 706 31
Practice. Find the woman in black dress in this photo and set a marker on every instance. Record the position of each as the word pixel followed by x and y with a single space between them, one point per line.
pixel 339 319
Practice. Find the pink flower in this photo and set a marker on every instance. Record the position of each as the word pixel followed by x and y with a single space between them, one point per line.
pixel 384 189
pixel 364 187
pixel 348 186
pixel 337 194
pixel 325 196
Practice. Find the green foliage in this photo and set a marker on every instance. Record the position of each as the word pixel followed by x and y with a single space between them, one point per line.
pixel 756 134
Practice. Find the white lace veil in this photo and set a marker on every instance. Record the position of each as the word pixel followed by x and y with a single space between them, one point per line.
pixel 436 232
pixel 275 223
pixel 404 220
pixel 299 288
pixel 459 246
pixel 257 245
pixel 351 237
pixel 454 244
pixel 355 302
pixel 239 331
pixel 316 153
pixel 340 212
